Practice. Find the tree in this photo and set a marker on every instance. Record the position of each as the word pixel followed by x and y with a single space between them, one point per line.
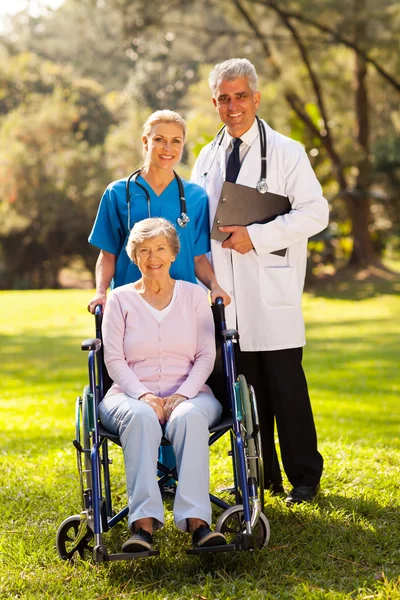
pixel 354 189
pixel 289 32
pixel 52 174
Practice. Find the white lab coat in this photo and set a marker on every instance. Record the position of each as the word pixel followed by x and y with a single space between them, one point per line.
pixel 265 288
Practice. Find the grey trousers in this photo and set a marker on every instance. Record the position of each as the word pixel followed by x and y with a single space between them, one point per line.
pixel 140 433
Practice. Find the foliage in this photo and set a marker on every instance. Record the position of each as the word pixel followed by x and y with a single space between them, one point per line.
pixel 142 55
pixel 50 171
pixel 345 546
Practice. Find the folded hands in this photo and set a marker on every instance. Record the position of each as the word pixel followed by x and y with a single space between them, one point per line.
pixel 163 407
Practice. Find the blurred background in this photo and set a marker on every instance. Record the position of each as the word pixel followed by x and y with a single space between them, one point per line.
pixel 79 77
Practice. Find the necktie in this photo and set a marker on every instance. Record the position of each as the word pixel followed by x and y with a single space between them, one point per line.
pixel 233 165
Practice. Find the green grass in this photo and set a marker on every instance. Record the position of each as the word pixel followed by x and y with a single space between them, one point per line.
pixel 346 545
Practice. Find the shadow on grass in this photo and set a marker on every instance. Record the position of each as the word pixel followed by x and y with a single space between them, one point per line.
pixel 338 544
pixel 341 544
pixel 43 442
pixel 348 288
pixel 39 359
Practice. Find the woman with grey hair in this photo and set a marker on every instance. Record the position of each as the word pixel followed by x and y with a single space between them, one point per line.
pixel 159 348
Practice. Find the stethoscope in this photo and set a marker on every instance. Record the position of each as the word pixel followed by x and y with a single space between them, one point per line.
pixel 216 144
pixel 182 221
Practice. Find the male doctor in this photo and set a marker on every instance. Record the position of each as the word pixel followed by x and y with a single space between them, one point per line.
pixel 265 288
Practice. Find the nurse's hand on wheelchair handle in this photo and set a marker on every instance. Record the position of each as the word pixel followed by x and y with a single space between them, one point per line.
pixel 156 403
pixel 218 292
pixel 98 299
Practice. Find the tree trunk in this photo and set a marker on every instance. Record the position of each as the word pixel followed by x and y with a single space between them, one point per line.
pixel 363 253
pixel 359 202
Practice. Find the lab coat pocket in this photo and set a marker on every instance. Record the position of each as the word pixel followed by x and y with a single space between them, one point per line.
pixel 279 286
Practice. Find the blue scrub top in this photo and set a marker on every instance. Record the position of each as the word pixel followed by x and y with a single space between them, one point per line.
pixel 110 229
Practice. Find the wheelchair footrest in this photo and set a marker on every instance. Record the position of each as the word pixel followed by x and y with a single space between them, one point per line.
pixel 100 555
pixel 208 549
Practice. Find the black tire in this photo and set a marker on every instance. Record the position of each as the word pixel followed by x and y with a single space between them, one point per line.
pixel 231 524
pixel 86 437
pixel 253 438
pixel 257 440
pixel 74 536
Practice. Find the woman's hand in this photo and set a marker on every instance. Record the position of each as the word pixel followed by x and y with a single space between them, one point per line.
pixel 170 403
pixel 156 403
pixel 217 291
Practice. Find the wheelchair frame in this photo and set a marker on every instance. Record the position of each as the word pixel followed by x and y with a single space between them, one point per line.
pixel 244 522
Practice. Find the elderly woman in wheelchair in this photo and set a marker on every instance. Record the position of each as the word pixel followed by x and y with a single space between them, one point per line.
pixel 159 349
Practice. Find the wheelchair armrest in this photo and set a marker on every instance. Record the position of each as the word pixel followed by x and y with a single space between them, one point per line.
pixel 91 344
pixel 229 334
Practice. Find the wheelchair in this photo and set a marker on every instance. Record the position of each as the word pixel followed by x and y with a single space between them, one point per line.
pixel 244 524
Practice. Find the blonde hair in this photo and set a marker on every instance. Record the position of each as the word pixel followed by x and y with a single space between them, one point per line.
pixel 150 228
pixel 164 116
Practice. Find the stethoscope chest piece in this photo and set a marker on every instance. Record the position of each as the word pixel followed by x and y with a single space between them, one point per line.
pixel 183 220
pixel 262 186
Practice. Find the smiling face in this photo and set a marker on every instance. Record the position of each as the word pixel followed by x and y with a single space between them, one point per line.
pixel 164 145
pixel 236 105
pixel 154 257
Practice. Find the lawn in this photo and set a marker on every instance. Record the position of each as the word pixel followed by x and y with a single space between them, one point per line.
pixel 345 545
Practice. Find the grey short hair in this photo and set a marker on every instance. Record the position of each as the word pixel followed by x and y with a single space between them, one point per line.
pixel 150 228
pixel 232 69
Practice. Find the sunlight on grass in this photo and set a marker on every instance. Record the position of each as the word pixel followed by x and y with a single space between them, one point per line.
pixel 346 545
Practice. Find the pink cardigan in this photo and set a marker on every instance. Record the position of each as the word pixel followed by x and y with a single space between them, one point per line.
pixel 174 356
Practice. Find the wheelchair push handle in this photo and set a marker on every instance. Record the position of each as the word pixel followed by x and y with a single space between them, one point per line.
pixel 218 309
pixel 98 319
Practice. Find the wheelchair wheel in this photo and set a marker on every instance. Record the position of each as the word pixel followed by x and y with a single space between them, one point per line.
pixel 74 536
pixel 231 524
pixel 86 429
pixel 253 437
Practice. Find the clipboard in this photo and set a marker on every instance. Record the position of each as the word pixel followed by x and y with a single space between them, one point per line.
pixel 243 205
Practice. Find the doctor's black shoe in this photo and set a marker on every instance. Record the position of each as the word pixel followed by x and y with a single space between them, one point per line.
pixel 140 541
pixel 274 487
pixel 203 537
pixel 301 493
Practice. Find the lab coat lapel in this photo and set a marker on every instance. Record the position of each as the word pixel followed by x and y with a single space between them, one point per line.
pixel 249 174
pixel 215 182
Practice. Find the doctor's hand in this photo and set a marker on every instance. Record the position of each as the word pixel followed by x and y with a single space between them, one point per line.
pixel 218 292
pixel 156 403
pixel 170 403
pixel 99 298
pixel 239 240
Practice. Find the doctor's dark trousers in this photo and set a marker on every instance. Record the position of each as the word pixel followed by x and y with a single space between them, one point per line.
pixel 282 395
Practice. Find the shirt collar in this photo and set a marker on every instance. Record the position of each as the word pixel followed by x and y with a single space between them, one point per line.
pixel 247 138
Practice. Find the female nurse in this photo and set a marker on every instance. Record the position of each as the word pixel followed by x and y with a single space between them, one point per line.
pixel 153 192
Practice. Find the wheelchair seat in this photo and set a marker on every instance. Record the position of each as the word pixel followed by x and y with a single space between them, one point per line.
pixel 223 425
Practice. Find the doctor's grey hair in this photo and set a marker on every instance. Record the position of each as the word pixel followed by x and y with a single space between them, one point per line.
pixel 151 228
pixel 232 69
